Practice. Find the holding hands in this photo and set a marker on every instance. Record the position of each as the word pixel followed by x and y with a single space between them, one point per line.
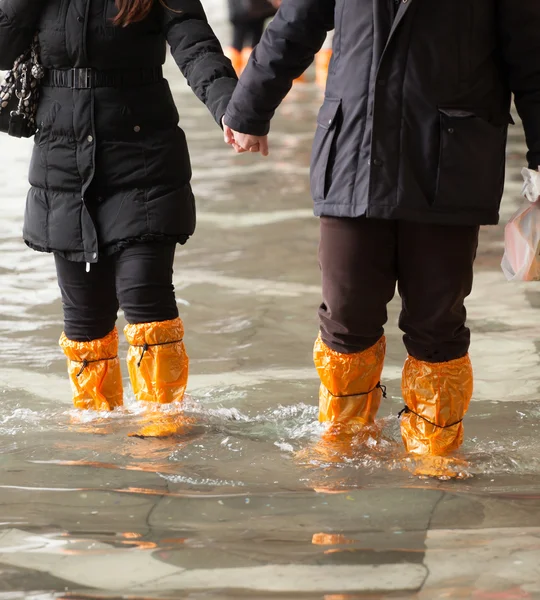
pixel 243 142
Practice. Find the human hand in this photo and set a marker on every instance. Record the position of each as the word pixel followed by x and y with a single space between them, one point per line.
pixel 243 142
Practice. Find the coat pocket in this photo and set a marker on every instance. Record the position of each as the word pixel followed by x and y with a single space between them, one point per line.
pixel 324 147
pixel 471 161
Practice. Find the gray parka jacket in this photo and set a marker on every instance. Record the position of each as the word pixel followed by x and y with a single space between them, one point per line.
pixel 414 122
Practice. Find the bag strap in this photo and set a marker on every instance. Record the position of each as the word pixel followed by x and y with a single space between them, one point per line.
pixel 20 74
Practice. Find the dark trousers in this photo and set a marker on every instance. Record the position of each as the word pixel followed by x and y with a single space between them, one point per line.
pixel 137 279
pixel 247 34
pixel 361 262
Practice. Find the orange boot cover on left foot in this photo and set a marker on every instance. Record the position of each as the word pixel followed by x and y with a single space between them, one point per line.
pixel 350 392
pixel 437 396
pixel 94 372
pixel 157 361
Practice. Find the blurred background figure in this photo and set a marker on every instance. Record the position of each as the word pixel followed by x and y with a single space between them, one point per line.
pixel 248 18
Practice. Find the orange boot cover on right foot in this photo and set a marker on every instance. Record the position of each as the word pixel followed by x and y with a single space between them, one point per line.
pixel 157 361
pixel 350 392
pixel 437 396
pixel 94 372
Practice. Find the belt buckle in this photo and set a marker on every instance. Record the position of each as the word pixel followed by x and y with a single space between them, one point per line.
pixel 81 78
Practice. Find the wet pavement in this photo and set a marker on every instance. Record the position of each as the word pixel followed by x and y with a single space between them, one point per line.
pixel 240 505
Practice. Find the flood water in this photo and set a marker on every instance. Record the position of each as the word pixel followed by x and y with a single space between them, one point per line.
pixel 241 503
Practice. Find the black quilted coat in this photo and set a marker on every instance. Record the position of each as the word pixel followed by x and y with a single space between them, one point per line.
pixel 415 119
pixel 110 164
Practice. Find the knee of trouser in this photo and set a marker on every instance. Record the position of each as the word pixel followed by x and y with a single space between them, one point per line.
pixel 83 328
pixel 439 352
pixel 338 340
pixel 150 312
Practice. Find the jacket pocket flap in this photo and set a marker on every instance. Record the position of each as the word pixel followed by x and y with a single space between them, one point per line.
pixel 471 113
pixel 328 112
pixel 458 113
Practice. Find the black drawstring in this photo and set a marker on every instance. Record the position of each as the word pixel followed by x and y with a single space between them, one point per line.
pixel 144 349
pixel 85 363
pixel 379 386
pixel 146 346
pixel 406 410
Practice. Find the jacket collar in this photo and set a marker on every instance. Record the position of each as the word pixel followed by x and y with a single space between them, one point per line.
pixel 402 11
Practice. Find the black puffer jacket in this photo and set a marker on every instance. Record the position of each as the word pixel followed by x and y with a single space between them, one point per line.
pixel 110 164
pixel 415 118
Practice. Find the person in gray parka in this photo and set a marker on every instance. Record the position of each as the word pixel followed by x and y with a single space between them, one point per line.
pixel 408 161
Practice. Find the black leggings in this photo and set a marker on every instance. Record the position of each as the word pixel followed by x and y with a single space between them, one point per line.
pixel 247 34
pixel 137 279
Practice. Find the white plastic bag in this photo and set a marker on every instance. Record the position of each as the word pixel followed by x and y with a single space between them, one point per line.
pixel 521 260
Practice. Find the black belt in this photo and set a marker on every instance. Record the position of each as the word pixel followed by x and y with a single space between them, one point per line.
pixel 84 79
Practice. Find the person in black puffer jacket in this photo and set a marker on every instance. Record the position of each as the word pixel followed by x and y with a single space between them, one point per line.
pixel 110 177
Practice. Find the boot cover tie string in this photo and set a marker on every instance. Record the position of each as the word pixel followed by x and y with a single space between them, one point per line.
pixel 146 346
pixel 379 386
pixel 407 410
pixel 85 363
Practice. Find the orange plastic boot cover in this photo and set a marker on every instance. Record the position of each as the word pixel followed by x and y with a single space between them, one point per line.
pixel 157 361
pixel 94 372
pixel 236 59
pixel 437 396
pixel 350 392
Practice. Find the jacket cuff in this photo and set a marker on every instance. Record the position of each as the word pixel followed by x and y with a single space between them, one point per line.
pixel 219 96
pixel 247 126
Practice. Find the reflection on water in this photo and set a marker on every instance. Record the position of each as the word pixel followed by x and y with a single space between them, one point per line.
pixel 246 499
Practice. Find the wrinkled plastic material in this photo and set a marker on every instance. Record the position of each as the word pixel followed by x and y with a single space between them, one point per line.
pixel 440 393
pixel 349 394
pixel 521 260
pixel 157 361
pixel 98 384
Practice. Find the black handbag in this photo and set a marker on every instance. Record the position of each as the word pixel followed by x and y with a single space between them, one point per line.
pixel 19 94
